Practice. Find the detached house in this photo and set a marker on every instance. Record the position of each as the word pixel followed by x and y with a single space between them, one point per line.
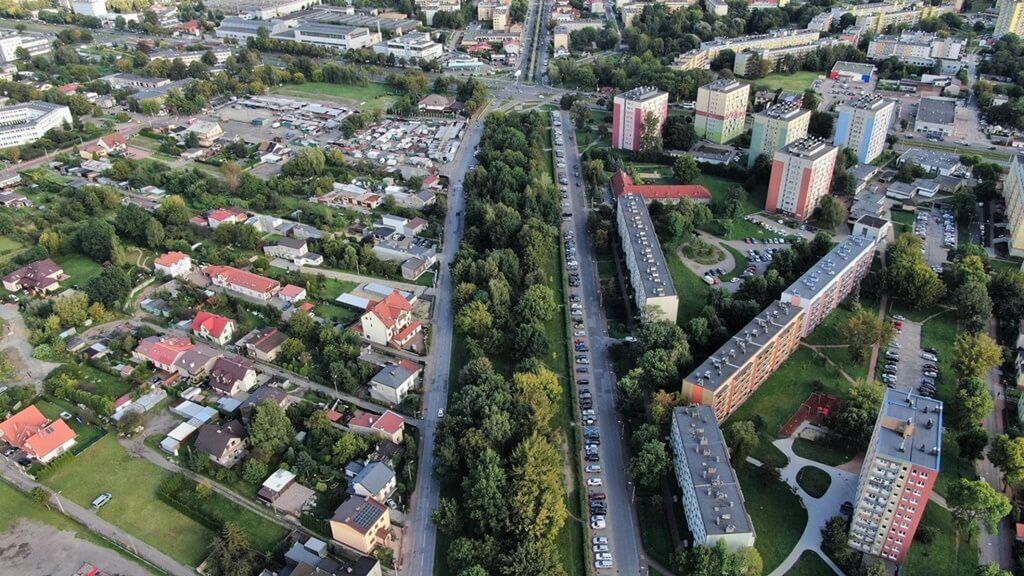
pixel 213 327
pixel 361 524
pixel 263 344
pixel 31 432
pixel 225 444
pixel 173 264
pixel 42 277
pixel 388 426
pixel 292 293
pixel 394 382
pixel 374 479
pixel 226 216
pixel 296 250
pixel 389 322
pixel 243 282
pixel 162 352
pixel 232 375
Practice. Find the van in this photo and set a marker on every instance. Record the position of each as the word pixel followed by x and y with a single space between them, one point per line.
pixel 101 500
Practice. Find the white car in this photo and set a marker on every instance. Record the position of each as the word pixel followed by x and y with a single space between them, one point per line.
pixel 440 413
pixel 593 468
pixel 603 564
pixel 595 482
pixel 603 556
pixel 597 524
pixel 600 547
pixel 599 540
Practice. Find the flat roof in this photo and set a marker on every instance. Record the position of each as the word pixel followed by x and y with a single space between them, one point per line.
pixel 938 159
pixel 744 345
pixel 909 429
pixel 642 93
pixel 810 148
pixel 870 101
pixel 783 111
pixel 831 268
pixel 725 85
pixel 643 243
pixel 719 496
pixel 937 110
pixel 854 67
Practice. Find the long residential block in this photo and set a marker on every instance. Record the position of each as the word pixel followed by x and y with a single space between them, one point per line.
pixel 652 283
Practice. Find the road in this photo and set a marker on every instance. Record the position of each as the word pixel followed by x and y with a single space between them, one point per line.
pixel 622 526
pixel 90 520
pixel 996 548
pixel 420 542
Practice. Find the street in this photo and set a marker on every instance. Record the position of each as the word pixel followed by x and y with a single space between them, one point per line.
pixel 420 542
pixel 622 528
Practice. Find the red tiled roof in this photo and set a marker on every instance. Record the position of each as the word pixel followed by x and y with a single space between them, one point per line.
pixel 222 214
pixel 412 328
pixel 113 140
pixel 389 422
pixel 292 291
pixel 622 183
pixel 30 431
pixel 390 307
pixel 1020 531
pixel 164 351
pixel 124 399
pixel 333 415
pixel 235 277
pixel 214 323
pixel 170 259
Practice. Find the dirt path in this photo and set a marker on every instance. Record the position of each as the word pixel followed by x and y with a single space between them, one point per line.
pixel 29 547
pixel 14 341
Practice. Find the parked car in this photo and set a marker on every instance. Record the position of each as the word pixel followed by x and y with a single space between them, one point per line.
pixel 101 500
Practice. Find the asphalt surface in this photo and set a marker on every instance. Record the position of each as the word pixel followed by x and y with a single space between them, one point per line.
pixel 622 527
pixel 420 540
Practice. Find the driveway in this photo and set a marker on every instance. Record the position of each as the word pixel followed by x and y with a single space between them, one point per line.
pixel 15 338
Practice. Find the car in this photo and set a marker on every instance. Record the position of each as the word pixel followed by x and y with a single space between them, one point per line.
pixel 101 500
pixel 24 461
pixel 603 556
pixel 597 496
pixel 593 469
pixel 595 482
pixel 592 457
pixel 895 344
pixel 440 413
pixel 582 370
pixel 599 540
pixel 9 450
pixel 597 524
pixel 930 357
pixel 579 333
pixel 599 548
pixel 603 564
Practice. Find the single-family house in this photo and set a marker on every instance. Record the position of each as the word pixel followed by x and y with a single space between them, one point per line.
pixel 214 327
pixel 224 444
pixel 14 200
pixel 294 249
pixel 265 393
pixel 207 132
pixel 31 432
pixel 263 343
pixel 173 264
pixel 361 524
pixel 243 282
pixel 275 485
pixel 292 293
pixel 231 375
pixel 42 276
pixel 282 491
pixel 374 479
pixel 388 426
pixel 389 321
pixel 394 381
pixel 215 218
pixel 196 363
pixel 162 351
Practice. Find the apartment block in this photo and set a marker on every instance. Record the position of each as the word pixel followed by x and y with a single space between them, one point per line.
pixel 34 44
pixel 1010 19
pixel 862 125
pixel 712 498
pixel 820 290
pixel 877 16
pixel 629 113
pixel 916 48
pixel 738 368
pixel 648 271
pixel 777 39
pixel 898 475
pixel 776 127
pixel 1013 193
pixel 801 176
pixel 721 110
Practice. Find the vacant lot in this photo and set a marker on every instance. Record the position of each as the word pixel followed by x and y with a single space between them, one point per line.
pixel 373 95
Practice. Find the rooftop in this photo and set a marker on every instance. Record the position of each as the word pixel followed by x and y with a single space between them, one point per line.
pixel 642 93
pixel 854 67
pixel 719 496
pixel 909 429
pixel 783 111
pixel 830 269
pixel 359 513
pixel 870 101
pixel 643 242
pixel 810 148
pixel 725 85
pixel 744 345
pixel 930 159
pixel 937 110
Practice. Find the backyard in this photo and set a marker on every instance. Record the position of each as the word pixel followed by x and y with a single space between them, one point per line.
pixel 942 556
pixel 78 269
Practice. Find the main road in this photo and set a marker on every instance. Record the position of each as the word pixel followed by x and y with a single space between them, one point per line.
pixel 420 538
pixel 622 526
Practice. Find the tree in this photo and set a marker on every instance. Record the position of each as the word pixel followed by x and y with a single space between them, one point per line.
pixel 109 287
pixel 1006 289
pixel 649 464
pixel 742 439
pixel 650 137
pixel 685 169
pixel 232 174
pixel 537 498
pixel 1007 454
pixel 51 240
pixel 973 402
pixel 581 114
pixel 72 309
pixel 974 354
pixel 447 516
pixel 540 392
pixel 96 239
pixel 230 554
pixel 831 213
pixel 973 306
pixel 974 502
pixel 307 163
pixel 270 430
pixel 678 133
pixel 992 570
pixel 907 275
pixel 964 203
pixel 485 492
pixel 864 329
pixel 537 304
pixel 972 443
pixel 820 124
pixel 857 416
pixel 40 495
pixel 475 319
pixel 254 471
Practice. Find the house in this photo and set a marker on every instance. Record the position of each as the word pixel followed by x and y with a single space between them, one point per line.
pixel 41 277
pixel 292 293
pixel 215 218
pixel 394 381
pixel 437 103
pixel 173 264
pixel 196 363
pixel 285 494
pixel 190 28
pixel 361 524
pixel 373 479
pixel 275 485
pixel 14 200
pixel 104 146
pixel 31 432
pixel 162 351
pixel 296 250
pixel 265 393
pixel 231 375
pixel 224 444
pixel 263 344
pixel 207 132
pixel 213 327
pixel 243 282
pixel 389 322
pixel 156 307
pixel 389 425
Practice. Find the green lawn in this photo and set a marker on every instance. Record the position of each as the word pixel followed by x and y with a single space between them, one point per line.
pixel 778 517
pixel 1005 265
pixel 741 264
pixel 693 292
pixel 373 95
pixel 331 288
pixel 102 383
pixel 87 433
pixel 79 269
pixel 655 532
pixel 903 221
pixel 336 313
pixel 830 330
pixel 814 481
pixel 841 356
pixel 942 557
pixel 810 564
pixel 9 245
pixel 828 455
pixel 952 466
pixel 795 82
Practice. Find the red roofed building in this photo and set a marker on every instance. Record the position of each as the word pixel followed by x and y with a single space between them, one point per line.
pixel 389 425
pixel 214 327
pixel 292 293
pixel 226 215
pixel 389 322
pixel 192 27
pixel 42 276
pixel 31 432
pixel 247 283
pixel 622 183
pixel 173 264
pixel 162 352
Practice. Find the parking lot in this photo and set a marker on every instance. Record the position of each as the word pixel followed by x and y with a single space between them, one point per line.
pixel 938 229
pixel 911 365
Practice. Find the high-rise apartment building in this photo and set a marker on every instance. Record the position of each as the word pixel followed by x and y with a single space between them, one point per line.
pixel 898 474
pixel 775 127
pixel 721 110
pixel 863 124
pixel 629 113
pixel 1013 193
pixel 801 176
pixel 827 283
pixel 1010 19
pixel 732 374
pixel 653 290
pixel 712 498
